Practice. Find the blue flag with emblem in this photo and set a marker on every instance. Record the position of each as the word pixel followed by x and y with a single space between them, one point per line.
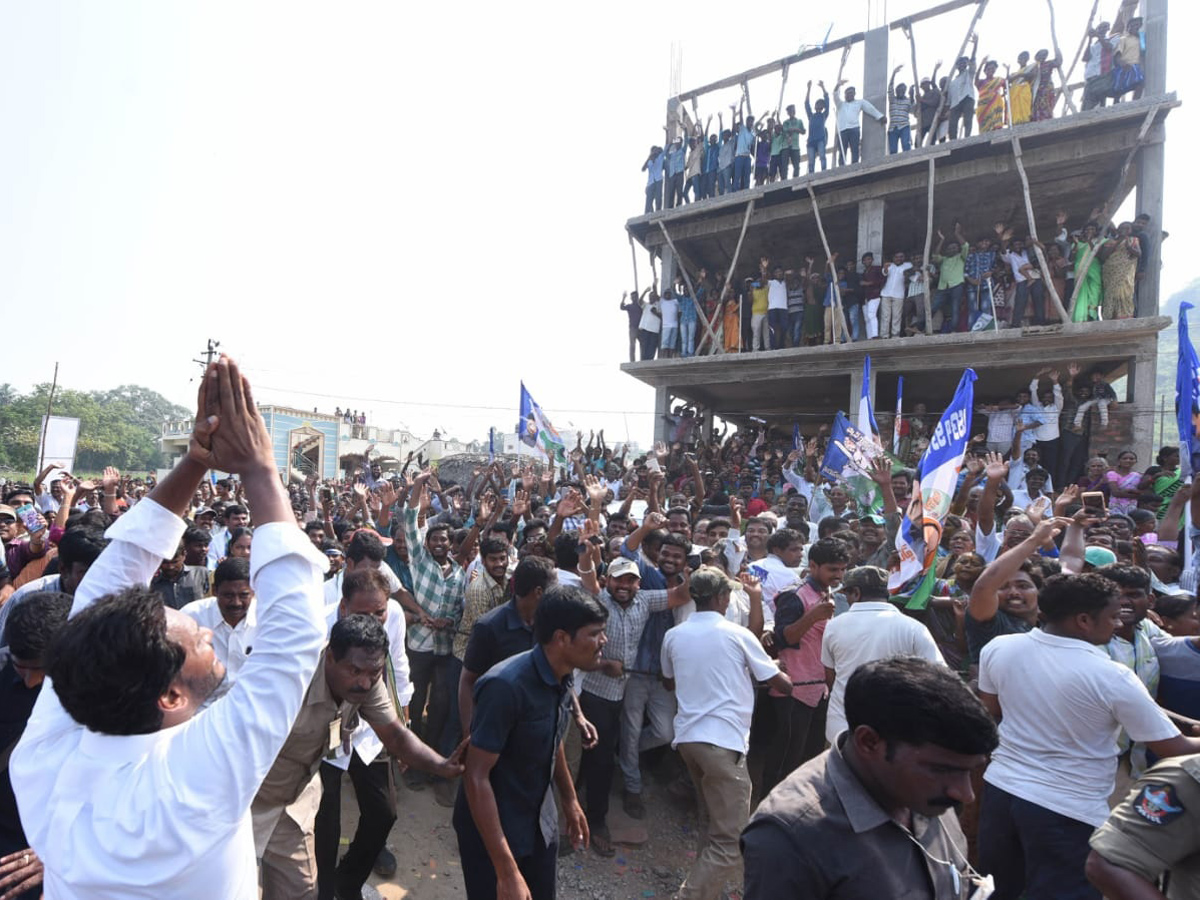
pixel 933 489
pixel 534 430
pixel 1187 397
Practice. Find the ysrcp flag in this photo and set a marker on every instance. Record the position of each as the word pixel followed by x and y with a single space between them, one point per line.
pixel 933 489
pixel 1187 397
pixel 848 460
pixel 534 429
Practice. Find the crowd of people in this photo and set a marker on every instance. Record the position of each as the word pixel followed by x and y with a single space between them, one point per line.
pixel 975 282
pixel 190 666
pixel 701 163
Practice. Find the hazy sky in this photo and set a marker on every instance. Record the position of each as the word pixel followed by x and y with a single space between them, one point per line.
pixel 398 207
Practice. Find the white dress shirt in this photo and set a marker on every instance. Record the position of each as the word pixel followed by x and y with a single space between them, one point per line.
pixel 868 631
pixel 716 666
pixel 363 739
pixel 232 645
pixel 166 814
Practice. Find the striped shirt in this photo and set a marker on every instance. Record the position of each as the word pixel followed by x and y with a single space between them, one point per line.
pixel 900 113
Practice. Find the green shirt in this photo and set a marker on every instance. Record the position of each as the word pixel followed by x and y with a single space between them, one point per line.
pixel 778 143
pixel 792 129
pixel 951 268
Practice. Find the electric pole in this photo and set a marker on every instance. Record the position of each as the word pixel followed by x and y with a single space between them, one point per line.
pixel 209 353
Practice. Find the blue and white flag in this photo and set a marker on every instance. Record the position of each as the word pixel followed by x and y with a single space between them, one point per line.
pixel 491 445
pixel 534 430
pixel 1187 398
pixel 797 438
pixel 899 416
pixel 933 489
pixel 848 460
pixel 866 413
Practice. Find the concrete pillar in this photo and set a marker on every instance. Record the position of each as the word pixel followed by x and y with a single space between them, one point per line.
pixel 662 408
pixel 706 424
pixel 1142 396
pixel 874 89
pixel 856 386
pixel 870 229
pixel 1151 157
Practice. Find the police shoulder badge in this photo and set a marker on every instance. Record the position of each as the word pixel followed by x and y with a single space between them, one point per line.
pixel 1158 804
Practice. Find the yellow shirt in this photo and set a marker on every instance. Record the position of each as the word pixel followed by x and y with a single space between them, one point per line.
pixel 760 302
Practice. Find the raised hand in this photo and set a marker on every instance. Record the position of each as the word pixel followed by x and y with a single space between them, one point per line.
pixel 237 438
pixel 881 471
pixel 111 479
pixel 660 450
pixel 487 505
pixel 996 468
pixel 360 490
pixel 595 490
pixel 570 505
pixel 1073 369
pixel 387 495
pixel 520 504
pixel 751 584
pixel 1069 495
pixel 1053 375
pixel 655 520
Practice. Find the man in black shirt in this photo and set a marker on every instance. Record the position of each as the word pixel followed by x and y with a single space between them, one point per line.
pixel 505 818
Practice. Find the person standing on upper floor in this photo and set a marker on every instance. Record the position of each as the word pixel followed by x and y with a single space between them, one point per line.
pixel 653 167
pixel 675 165
pixel 1044 94
pixel 632 307
pixel 891 296
pixel 871 283
pixel 1020 89
pixel 668 308
pixel 951 290
pixel 930 100
pixel 792 129
pixel 901 104
pixel 712 165
pixel 990 89
pixel 743 152
pixel 1050 404
pixel 1098 66
pixel 961 90
pixel 818 133
pixel 849 119
pixel 650 326
pixel 777 308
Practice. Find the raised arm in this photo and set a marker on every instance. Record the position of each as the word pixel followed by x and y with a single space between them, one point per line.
pixel 985 595
pixel 996 469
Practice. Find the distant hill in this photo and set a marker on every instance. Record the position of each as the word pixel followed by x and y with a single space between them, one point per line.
pixel 1168 340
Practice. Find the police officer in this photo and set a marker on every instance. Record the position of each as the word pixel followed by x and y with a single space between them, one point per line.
pixel 1152 834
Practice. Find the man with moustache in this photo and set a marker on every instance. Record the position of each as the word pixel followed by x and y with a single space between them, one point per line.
pixel 229 614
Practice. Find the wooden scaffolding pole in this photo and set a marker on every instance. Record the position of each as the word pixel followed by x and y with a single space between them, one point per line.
pixel 1110 205
pixel 961 50
pixel 839 319
pixel 688 280
pixel 837 132
pixel 928 248
pixel 1083 43
pixel 41 463
pixel 1047 283
pixel 1066 94
pixel 633 252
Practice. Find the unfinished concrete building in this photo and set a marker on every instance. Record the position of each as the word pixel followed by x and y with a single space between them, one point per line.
pixel 1075 162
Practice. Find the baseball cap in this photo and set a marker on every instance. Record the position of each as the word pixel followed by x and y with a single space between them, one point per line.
pixel 870 578
pixel 6 510
pixel 1099 556
pixel 871 517
pixel 204 511
pixel 709 581
pixel 621 567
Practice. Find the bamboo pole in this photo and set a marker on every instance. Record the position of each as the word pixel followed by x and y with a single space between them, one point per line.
pixel 1066 95
pixel 729 276
pixel 1047 284
pixel 1083 43
pixel 1110 205
pixel 928 247
pixel 782 87
pixel 687 279
pixel 839 318
pixel 41 464
pixel 633 253
pixel 961 50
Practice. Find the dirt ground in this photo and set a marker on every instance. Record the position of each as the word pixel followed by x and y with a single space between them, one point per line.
pixel 428 866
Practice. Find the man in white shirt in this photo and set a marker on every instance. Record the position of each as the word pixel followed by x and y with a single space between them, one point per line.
pixel 961 93
pixel 891 306
pixel 1047 434
pixel 780 568
pixel 849 117
pixel 777 307
pixel 124 791
pixel 364 592
pixel 1061 703
pixel 364 551
pixel 873 628
pixel 668 307
pixel 230 614
pixel 714 666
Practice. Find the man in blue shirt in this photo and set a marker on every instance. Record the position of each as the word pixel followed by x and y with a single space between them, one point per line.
pixel 712 159
pixel 653 166
pixel 505 817
pixel 676 161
